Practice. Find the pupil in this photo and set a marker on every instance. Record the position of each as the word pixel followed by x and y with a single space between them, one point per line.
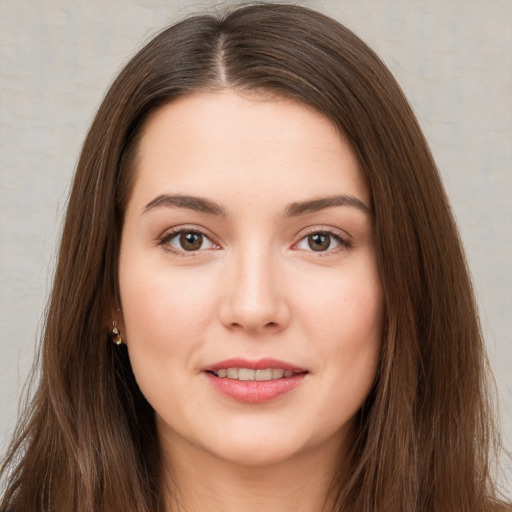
pixel 319 242
pixel 191 241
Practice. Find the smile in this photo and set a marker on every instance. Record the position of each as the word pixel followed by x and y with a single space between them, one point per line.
pixel 254 381
pixel 249 374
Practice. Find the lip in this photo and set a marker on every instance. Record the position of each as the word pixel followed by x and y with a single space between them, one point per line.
pixel 254 392
pixel 260 364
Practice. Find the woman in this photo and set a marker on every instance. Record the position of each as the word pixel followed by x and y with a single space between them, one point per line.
pixel 261 298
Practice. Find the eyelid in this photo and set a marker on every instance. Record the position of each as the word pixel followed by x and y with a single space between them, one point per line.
pixel 343 238
pixel 169 234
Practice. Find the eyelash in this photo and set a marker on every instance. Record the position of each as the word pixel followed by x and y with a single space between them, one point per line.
pixel 164 240
pixel 170 235
pixel 344 243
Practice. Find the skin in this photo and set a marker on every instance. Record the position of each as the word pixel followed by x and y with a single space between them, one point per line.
pixel 254 288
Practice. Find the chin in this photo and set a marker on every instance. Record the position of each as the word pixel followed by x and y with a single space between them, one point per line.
pixel 256 454
pixel 263 447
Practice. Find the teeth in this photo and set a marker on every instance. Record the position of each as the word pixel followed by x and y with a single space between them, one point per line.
pixel 232 373
pixel 277 373
pixel 245 374
pixel 263 374
pixel 248 374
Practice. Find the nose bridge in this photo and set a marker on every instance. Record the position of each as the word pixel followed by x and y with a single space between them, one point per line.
pixel 254 299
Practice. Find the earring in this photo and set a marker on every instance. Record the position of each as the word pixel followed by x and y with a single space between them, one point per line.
pixel 116 334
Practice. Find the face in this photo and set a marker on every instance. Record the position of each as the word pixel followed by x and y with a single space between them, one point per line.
pixel 251 301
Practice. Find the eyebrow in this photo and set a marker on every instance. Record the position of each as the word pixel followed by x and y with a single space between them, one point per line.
pixel 295 209
pixel 197 204
pixel 315 205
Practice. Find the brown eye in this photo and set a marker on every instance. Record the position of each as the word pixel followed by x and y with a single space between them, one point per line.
pixel 319 242
pixel 191 241
pixel 184 241
pixel 323 242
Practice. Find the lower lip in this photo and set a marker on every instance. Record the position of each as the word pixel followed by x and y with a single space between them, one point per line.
pixel 253 391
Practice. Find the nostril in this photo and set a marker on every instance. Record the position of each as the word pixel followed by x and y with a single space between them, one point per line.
pixel 252 314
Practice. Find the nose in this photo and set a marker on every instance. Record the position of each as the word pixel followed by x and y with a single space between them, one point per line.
pixel 254 295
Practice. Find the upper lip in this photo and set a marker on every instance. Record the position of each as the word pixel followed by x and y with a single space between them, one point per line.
pixel 259 364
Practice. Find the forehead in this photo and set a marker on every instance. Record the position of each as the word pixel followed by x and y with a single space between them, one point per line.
pixel 251 144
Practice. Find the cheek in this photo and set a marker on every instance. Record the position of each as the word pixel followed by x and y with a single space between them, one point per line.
pixel 345 318
pixel 164 311
pixel 345 306
pixel 166 315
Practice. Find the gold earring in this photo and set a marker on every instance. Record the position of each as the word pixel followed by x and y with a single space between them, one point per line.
pixel 116 334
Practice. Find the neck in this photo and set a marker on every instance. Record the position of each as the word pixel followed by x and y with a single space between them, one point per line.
pixel 300 484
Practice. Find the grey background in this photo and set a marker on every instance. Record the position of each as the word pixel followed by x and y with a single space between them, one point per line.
pixel 452 57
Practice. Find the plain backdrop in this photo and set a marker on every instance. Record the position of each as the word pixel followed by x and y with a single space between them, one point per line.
pixel 453 59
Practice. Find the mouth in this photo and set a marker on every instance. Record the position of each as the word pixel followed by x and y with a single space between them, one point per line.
pixel 249 374
pixel 254 381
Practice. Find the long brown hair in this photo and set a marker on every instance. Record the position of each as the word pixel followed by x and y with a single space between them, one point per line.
pixel 88 439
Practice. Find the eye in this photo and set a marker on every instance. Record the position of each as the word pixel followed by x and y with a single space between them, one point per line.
pixel 186 240
pixel 322 241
